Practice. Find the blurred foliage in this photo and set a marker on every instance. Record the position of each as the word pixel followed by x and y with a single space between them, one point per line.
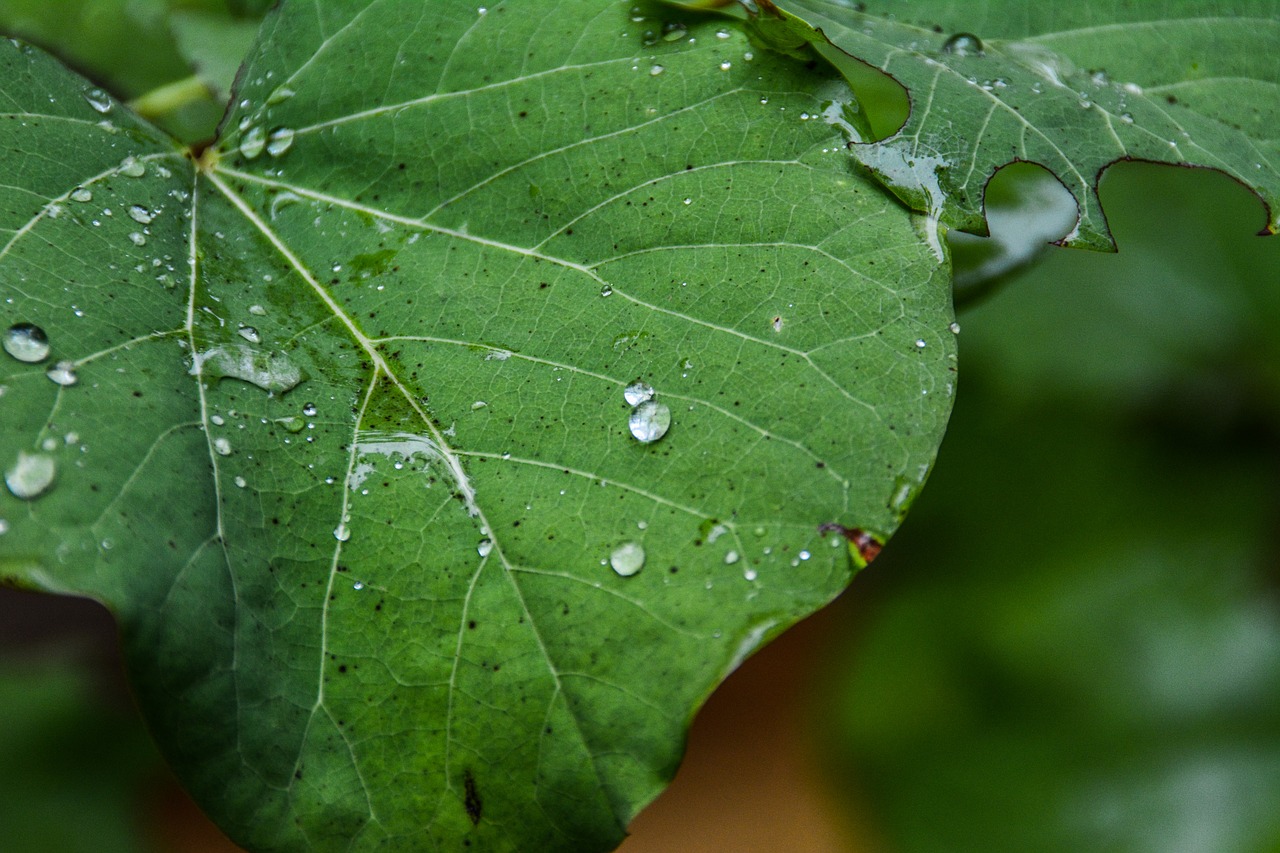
pixel 73 769
pixel 1077 645
pixel 134 48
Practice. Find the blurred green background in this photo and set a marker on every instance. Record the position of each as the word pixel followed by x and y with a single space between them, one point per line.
pixel 1073 643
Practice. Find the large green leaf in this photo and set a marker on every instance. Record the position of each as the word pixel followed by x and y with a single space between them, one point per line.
pixel 1072 86
pixel 348 451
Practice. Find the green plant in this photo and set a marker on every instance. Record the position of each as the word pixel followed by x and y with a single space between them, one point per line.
pixel 496 381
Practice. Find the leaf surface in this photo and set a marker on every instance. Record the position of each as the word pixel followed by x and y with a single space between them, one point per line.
pixel 348 450
pixel 1073 87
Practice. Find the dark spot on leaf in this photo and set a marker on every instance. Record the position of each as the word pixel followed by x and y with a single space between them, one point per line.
pixel 471 801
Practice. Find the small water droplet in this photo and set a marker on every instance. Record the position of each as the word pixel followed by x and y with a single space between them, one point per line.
pixel 138 238
pixel 63 373
pixel 485 548
pixel 804 555
pixel 26 342
pixel 216 420
pixel 140 214
pixel 627 558
pixel 963 44
pixel 730 558
pixel 726 65
pixel 293 423
pixel 688 200
pixel 309 410
pixel 222 447
pixel 637 392
pixel 81 194
pixel 240 483
pixel 280 141
pixel 342 533
pixel 606 291
pixel 257 310
pixel 31 475
pixel 655 70
pixel 673 31
pixel 99 100
pixel 250 334
pixel 132 167
pixel 478 404
pixel 722 33
pixel 749 574
pixel 253 142
pixel 649 421
pixel 279 96
pixel 920 344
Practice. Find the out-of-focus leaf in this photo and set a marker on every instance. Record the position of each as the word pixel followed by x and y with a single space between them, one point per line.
pixel 214 45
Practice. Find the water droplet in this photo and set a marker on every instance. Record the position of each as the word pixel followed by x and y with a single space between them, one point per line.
pixel 222 447
pixel 920 344
pixel 309 410
pixel 722 33
pixel 279 96
pixel 485 548
pixel 270 371
pixel 955 328
pixel 726 65
pixel 478 404
pixel 250 334
pixel 656 70
pixel 31 476
pixel 138 238
pixel 99 100
pixel 253 142
pixel 140 214
pixel 293 423
pixel 257 310
pixel 963 44
pixel 132 167
pixel 240 483
pixel 81 194
pixel 804 555
pixel 637 392
pixel 63 373
pixel 749 574
pixel 730 558
pixel 627 558
pixel 26 342
pixel 216 420
pixel 280 141
pixel 649 421
pixel 342 533
pixel 606 291
pixel 688 200
pixel 673 31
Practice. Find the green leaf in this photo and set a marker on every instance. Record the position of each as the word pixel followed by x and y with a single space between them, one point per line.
pixel 348 451
pixel 1073 87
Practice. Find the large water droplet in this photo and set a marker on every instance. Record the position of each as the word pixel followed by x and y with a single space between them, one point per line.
pixel 26 342
pixel 99 100
pixel 138 238
pixel 963 44
pixel 627 558
pixel 485 548
pixel 81 194
pixel 30 476
pixel 655 70
pixel 269 371
pixel 222 447
pixel 63 373
pixel 674 31
pixel 649 421
pixel 280 141
pixel 250 334
pixel 279 96
pixel 310 410
pixel 342 533
pixel 253 142
pixel 140 214
pixel 132 167
pixel 637 393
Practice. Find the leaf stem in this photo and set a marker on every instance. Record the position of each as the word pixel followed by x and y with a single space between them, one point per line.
pixel 170 97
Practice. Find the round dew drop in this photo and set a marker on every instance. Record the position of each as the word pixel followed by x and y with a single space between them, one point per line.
pixel 342 533
pixel 485 548
pixel 963 44
pixel 253 142
pixel 81 194
pixel 627 559
pixel 63 373
pixel 27 343
pixel 222 447
pixel 649 421
pixel 280 140
pixel 637 393
pixel 31 476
